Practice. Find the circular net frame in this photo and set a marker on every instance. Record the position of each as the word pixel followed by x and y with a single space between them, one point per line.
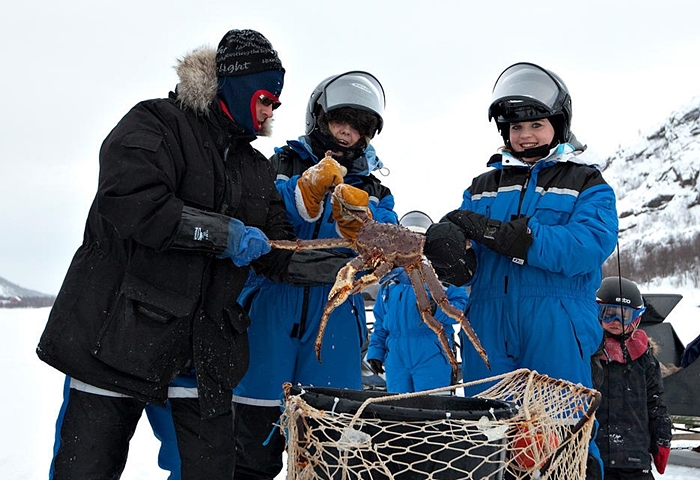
pixel 547 438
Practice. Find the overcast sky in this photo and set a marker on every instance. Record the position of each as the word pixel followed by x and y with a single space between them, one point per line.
pixel 73 68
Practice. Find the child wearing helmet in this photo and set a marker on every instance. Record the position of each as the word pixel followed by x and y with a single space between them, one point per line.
pixel 541 222
pixel 344 113
pixel 634 425
pixel 401 343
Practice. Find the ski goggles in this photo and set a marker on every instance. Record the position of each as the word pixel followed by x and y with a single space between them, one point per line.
pixel 625 315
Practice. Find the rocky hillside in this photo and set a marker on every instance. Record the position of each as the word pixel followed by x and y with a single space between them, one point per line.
pixel 658 197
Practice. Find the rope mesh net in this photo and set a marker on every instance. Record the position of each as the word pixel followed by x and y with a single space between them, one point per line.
pixel 523 425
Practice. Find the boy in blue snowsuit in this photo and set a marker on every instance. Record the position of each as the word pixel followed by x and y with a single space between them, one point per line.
pixel 542 221
pixel 344 113
pixel 401 342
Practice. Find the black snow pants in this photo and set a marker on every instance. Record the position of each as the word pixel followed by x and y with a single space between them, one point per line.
pixel 96 430
pixel 259 443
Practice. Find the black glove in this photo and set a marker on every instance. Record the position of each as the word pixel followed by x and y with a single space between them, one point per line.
pixel 376 365
pixel 446 248
pixel 507 238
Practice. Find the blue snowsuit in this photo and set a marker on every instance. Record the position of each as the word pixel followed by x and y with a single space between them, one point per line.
pixel 413 358
pixel 285 318
pixel 541 315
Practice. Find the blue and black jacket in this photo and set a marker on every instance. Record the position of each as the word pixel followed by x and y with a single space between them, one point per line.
pixel 541 314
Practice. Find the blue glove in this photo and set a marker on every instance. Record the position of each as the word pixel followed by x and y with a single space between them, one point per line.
pixel 245 244
pixel 397 274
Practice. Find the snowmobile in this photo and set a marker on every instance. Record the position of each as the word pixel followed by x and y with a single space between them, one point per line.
pixel 682 385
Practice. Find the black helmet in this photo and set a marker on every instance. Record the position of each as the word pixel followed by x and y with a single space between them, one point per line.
pixel 619 291
pixel 351 90
pixel 526 92
pixel 416 221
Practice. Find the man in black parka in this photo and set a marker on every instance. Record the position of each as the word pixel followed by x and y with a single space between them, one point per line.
pixel 184 205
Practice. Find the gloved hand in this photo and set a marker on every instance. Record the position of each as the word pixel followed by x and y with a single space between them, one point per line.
pixel 244 244
pixel 397 274
pixel 315 182
pixel 446 248
pixel 661 458
pixel 352 199
pixel 377 366
pixel 507 238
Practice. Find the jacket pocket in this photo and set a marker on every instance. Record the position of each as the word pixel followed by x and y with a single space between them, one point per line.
pixel 553 209
pixel 148 334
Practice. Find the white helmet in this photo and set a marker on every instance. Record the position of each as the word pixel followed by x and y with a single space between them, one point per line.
pixel 416 221
pixel 356 89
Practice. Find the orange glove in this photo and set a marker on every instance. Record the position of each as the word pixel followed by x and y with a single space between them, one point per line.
pixel 350 207
pixel 313 185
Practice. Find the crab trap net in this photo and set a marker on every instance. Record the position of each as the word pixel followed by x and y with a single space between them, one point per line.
pixel 523 426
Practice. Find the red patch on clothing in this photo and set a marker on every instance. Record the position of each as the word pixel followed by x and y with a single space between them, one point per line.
pixel 636 346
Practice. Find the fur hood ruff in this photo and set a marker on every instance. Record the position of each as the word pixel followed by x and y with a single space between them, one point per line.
pixel 198 82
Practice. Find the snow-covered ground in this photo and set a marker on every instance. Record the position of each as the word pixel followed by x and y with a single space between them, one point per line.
pixel 34 393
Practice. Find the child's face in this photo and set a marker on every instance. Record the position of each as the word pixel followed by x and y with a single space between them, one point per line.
pixel 345 135
pixel 616 314
pixel 614 327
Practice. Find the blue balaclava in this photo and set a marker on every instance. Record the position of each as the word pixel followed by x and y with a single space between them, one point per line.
pixel 247 66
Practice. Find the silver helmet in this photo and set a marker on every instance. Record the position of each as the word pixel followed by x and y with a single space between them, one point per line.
pixel 526 92
pixel 356 89
pixel 416 221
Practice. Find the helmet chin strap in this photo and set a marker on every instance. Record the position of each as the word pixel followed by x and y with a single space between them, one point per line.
pixel 327 142
pixel 541 151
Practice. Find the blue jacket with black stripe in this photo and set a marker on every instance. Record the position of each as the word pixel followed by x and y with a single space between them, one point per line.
pixel 542 314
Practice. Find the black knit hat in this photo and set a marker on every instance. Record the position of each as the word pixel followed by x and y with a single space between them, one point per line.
pixel 242 52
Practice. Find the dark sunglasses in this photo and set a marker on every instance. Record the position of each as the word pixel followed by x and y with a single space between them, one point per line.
pixel 268 102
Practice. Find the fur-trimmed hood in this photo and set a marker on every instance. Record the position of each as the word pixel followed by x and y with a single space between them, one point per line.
pixel 198 82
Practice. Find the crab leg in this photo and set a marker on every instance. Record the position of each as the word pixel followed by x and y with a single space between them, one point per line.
pixel 440 297
pixel 299 244
pixel 373 277
pixel 344 286
pixel 423 304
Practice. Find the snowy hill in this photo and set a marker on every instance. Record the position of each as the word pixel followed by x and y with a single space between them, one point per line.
pixel 12 295
pixel 656 183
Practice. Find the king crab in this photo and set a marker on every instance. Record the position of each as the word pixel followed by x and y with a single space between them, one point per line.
pixel 380 247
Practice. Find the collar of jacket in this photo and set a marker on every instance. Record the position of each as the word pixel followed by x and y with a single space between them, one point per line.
pixel 564 152
pixel 636 344
pixel 362 166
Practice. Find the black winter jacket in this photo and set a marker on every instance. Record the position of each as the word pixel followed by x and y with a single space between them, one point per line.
pixel 632 416
pixel 145 297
